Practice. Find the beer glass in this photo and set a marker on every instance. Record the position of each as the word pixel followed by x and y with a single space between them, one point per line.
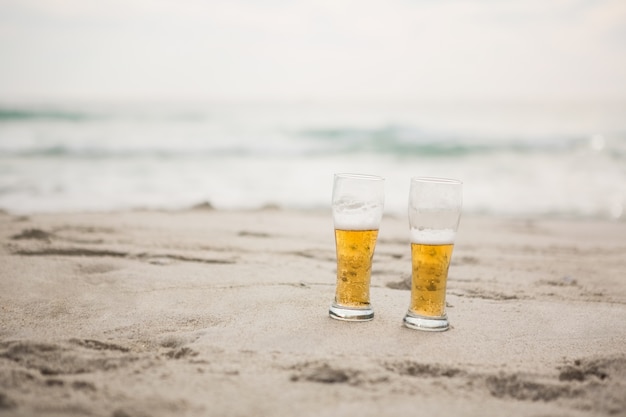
pixel 357 206
pixel 434 213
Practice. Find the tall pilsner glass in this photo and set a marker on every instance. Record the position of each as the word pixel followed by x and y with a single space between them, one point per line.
pixel 357 205
pixel 434 213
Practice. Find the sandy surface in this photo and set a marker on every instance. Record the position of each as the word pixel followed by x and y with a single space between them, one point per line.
pixel 199 313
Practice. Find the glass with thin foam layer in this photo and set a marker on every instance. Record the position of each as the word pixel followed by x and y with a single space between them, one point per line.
pixel 434 214
pixel 357 206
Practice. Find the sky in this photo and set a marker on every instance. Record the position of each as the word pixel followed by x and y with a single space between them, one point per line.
pixel 312 49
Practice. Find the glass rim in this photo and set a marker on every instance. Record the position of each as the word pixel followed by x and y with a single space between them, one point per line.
pixel 437 180
pixel 359 176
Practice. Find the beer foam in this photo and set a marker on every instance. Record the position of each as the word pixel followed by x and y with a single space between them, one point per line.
pixel 433 236
pixel 357 215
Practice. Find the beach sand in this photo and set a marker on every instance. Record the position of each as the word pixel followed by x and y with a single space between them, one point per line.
pixel 225 313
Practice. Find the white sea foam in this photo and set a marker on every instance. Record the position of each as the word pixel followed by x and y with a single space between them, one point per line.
pixel 569 161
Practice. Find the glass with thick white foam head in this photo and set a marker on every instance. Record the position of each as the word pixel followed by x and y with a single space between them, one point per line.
pixel 357 204
pixel 434 213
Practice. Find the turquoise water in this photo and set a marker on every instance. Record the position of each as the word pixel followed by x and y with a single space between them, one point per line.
pixel 528 159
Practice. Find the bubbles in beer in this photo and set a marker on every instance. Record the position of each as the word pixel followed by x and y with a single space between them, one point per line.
pixel 355 249
pixel 429 278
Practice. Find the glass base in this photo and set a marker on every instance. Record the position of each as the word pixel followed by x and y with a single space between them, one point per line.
pixel 338 312
pixel 429 324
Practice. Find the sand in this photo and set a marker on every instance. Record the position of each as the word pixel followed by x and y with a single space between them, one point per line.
pixel 225 313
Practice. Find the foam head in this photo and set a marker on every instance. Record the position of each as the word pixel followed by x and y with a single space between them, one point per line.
pixel 433 236
pixel 357 215
pixel 358 201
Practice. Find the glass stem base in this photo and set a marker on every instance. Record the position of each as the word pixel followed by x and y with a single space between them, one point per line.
pixel 338 312
pixel 429 324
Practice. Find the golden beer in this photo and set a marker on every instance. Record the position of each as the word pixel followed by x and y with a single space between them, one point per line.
pixel 434 214
pixel 355 249
pixel 429 278
pixel 357 206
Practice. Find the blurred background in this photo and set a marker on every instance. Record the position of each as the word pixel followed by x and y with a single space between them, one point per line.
pixel 244 104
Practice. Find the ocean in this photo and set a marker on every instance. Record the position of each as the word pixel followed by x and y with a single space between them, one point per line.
pixel 529 159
